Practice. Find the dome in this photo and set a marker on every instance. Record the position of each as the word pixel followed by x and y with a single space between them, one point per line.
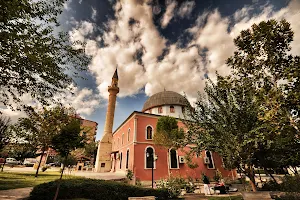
pixel 165 98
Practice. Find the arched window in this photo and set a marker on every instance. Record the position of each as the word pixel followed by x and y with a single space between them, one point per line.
pixel 173 159
pixel 149 157
pixel 172 109
pixel 121 160
pixel 118 142
pixel 122 138
pixel 149 133
pixel 211 164
pixel 127 158
pixel 128 135
pixel 160 109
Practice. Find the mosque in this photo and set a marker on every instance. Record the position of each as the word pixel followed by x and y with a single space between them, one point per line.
pixel 130 146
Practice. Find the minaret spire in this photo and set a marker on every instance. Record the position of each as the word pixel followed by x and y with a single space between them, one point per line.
pixel 103 160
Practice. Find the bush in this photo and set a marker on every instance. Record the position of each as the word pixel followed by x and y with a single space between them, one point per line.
pixel 290 196
pixel 92 189
pixel 173 185
pixel 289 184
pixel 271 186
pixel 129 174
pixel 218 176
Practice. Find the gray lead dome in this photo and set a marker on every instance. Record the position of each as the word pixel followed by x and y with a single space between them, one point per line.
pixel 165 98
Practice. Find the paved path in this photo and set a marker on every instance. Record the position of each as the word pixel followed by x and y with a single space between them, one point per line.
pixel 15 194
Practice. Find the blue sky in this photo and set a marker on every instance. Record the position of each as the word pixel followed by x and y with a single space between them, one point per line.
pixel 157 45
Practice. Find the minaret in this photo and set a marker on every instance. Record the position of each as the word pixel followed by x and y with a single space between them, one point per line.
pixel 103 160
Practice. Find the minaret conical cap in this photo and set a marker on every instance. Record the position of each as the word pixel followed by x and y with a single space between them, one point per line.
pixel 116 74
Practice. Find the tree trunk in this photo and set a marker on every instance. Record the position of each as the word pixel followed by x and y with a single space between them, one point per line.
pixel 251 176
pixel 259 176
pixel 3 164
pixel 252 183
pixel 270 174
pixel 37 170
pixel 168 163
pixel 295 170
pixel 59 181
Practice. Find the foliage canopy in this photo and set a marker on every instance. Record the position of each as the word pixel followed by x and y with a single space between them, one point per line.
pixel 35 59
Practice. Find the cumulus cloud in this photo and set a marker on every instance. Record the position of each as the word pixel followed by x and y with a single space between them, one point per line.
pixel 186 9
pixel 169 14
pixel 81 31
pixel 67 5
pixel 94 13
pixel 147 61
pixel 84 101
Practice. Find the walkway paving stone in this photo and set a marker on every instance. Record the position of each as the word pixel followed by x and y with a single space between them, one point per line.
pixel 15 194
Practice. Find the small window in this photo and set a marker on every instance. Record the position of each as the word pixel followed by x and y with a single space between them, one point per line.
pixel 211 161
pixel 149 157
pixel 172 109
pixel 173 159
pixel 128 135
pixel 183 109
pixel 127 158
pixel 160 109
pixel 149 133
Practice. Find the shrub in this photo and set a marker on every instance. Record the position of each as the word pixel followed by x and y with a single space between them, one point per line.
pixel 290 196
pixel 92 189
pixel 270 186
pixel 218 175
pixel 190 187
pixel 138 182
pixel 173 185
pixel 289 184
pixel 129 174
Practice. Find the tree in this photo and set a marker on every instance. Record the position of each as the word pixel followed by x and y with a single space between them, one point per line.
pixel 250 117
pixel 67 140
pixel 41 126
pixel 168 134
pixel 4 131
pixel 34 58
pixel 225 120
pixel 264 57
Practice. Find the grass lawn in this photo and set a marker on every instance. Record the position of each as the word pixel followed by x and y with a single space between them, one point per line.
pixel 226 198
pixel 13 180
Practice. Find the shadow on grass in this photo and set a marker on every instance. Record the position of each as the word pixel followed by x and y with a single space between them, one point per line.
pixel 10 180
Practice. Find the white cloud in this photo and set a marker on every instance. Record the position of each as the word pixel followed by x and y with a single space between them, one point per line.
pixel 67 4
pixel 84 101
pixel 186 9
pixel 94 13
pixel 169 14
pixel 137 46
